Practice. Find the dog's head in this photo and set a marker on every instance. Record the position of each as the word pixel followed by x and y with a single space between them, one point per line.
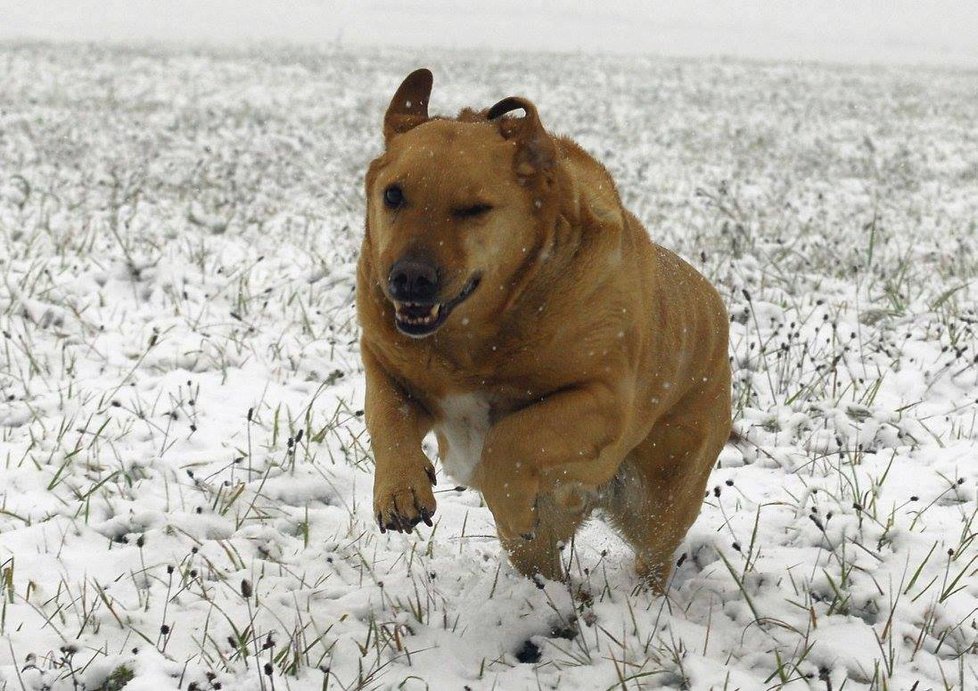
pixel 457 209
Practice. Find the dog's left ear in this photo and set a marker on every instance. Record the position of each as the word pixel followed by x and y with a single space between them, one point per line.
pixel 537 152
pixel 409 107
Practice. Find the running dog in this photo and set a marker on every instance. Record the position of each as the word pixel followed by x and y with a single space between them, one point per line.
pixel 564 361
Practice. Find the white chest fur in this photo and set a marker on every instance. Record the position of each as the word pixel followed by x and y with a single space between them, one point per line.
pixel 463 427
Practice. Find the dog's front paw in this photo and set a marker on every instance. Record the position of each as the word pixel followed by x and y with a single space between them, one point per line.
pixel 404 499
pixel 514 506
pixel 524 521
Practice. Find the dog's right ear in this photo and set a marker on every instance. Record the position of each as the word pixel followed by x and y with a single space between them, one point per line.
pixel 409 107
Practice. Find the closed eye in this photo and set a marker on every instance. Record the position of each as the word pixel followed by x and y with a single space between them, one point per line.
pixel 472 211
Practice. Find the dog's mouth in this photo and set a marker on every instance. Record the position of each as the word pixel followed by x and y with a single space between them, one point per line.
pixel 418 320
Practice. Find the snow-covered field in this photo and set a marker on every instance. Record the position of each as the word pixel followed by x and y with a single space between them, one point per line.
pixel 184 468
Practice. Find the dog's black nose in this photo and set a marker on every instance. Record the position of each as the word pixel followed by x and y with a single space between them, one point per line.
pixel 413 281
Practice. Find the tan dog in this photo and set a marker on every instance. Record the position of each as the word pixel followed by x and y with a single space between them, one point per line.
pixel 511 304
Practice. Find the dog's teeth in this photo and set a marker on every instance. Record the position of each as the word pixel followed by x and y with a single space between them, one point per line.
pixel 404 313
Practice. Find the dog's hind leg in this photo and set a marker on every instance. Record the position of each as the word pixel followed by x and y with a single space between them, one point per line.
pixel 658 491
pixel 541 554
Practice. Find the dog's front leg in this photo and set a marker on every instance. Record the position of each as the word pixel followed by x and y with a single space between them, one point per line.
pixel 525 450
pixel 403 475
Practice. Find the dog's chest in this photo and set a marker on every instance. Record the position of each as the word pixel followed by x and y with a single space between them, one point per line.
pixel 463 427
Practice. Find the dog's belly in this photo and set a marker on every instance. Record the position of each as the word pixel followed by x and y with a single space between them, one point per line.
pixel 463 427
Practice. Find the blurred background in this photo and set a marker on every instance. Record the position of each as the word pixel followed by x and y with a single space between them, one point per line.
pixel 937 32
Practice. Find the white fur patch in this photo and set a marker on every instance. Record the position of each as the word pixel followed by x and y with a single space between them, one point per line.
pixel 464 424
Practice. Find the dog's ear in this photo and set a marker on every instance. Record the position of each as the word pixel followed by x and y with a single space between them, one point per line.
pixel 409 107
pixel 537 152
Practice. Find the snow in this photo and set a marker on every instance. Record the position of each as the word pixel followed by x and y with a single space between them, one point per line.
pixel 185 471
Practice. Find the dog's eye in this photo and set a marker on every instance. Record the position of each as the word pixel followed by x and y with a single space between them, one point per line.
pixel 393 197
pixel 472 211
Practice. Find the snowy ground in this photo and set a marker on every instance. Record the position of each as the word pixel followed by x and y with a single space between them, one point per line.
pixel 184 467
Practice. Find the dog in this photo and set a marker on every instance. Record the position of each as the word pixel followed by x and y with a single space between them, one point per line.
pixel 509 303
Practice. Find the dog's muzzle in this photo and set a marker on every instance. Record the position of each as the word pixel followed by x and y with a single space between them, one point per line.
pixel 420 319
